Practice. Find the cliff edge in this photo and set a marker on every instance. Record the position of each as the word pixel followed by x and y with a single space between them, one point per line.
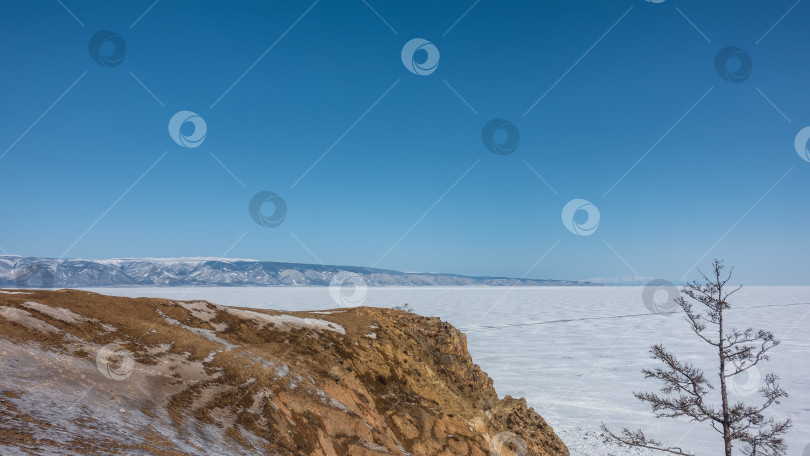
pixel 84 373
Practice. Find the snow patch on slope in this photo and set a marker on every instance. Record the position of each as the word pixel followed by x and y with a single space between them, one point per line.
pixel 56 313
pixel 207 333
pixel 286 322
pixel 200 309
pixel 24 318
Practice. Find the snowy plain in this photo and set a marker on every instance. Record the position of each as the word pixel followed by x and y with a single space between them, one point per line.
pixel 576 353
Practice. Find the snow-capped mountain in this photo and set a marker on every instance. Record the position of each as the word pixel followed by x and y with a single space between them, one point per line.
pixel 22 272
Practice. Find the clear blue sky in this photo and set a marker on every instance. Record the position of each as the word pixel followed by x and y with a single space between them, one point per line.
pixel 617 77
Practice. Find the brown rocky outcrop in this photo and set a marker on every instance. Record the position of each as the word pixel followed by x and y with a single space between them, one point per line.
pixel 84 373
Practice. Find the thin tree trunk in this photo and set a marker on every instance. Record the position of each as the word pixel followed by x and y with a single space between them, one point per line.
pixel 723 390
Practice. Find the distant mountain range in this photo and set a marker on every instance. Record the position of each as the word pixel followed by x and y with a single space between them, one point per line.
pixel 24 272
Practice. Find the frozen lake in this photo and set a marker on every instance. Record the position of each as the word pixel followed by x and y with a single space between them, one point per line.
pixel 576 353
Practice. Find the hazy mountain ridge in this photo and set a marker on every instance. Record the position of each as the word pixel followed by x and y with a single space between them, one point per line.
pixel 18 271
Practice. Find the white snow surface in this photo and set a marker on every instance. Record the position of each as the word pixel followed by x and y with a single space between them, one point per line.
pixel 114 410
pixel 576 353
pixel 57 313
pixel 285 322
pixel 24 318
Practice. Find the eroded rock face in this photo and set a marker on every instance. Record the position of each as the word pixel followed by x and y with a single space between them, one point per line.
pixel 84 373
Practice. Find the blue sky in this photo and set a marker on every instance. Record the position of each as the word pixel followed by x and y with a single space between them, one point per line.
pixel 89 169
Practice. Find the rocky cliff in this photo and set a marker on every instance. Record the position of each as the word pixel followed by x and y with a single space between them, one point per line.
pixel 84 373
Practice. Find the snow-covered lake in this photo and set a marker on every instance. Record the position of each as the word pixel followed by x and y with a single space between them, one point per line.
pixel 576 353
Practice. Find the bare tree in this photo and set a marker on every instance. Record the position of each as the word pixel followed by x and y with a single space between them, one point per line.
pixel 688 393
